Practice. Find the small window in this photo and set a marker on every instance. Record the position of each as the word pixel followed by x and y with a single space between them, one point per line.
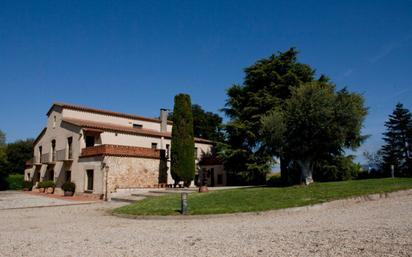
pixel 68 177
pixel 53 149
pixel 167 150
pixel 69 148
pixel 137 125
pixel 50 175
pixel 195 152
pixel 54 121
pixel 154 145
pixel 40 153
pixel 89 178
pixel 89 141
pixel 220 179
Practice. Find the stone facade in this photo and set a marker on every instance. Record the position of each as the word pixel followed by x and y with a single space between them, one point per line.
pixel 131 172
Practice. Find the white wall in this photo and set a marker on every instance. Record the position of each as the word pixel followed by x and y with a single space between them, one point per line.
pixel 68 113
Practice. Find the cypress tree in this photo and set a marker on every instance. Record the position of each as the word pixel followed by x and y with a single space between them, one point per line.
pixel 398 142
pixel 182 148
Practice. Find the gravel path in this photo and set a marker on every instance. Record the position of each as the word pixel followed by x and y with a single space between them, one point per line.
pixel 16 199
pixel 374 228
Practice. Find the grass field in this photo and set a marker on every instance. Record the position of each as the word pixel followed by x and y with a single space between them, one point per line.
pixel 263 198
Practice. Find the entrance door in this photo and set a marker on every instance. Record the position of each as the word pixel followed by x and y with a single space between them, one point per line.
pixel 89 182
pixel 212 177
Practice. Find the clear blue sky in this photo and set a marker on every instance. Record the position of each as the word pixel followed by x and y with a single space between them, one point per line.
pixel 134 56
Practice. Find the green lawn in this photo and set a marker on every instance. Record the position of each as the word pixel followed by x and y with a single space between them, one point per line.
pixel 263 198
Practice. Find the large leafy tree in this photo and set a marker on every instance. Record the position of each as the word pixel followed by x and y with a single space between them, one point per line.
pixel 316 122
pixel 182 149
pixel 17 154
pixel 207 125
pixel 398 141
pixel 267 84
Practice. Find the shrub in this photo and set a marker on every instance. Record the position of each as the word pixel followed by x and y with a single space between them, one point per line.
pixel 15 181
pixel 371 174
pixel 28 184
pixel 336 169
pixel 274 181
pixel 68 186
pixel 46 184
pixel 40 185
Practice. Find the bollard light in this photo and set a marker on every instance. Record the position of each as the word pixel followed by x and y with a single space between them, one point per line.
pixel 183 202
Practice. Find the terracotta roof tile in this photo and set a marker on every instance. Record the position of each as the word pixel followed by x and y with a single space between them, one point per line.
pixel 104 112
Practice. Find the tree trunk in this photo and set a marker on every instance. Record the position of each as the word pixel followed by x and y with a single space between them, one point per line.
pixel 284 163
pixel 306 171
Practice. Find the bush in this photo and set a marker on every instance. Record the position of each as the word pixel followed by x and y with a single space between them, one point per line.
pixel 46 184
pixel 336 169
pixel 15 181
pixel 28 184
pixel 3 180
pixel 40 185
pixel 274 181
pixel 372 174
pixel 68 186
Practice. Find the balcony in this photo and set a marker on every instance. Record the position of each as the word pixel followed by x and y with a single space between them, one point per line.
pixel 122 151
pixel 48 158
pixel 64 154
pixel 36 160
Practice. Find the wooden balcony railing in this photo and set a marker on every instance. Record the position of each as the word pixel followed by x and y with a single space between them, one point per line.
pixel 45 158
pixel 120 150
pixel 36 159
pixel 64 154
pixel 61 155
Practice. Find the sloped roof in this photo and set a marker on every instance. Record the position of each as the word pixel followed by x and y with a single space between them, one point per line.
pixel 104 112
pixel 39 136
pixel 124 129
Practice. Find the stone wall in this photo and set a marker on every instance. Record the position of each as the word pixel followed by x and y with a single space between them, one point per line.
pixel 132 172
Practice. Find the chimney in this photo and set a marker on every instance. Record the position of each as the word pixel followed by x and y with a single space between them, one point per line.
pixel 163 120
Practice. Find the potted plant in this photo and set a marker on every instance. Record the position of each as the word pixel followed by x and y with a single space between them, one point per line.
pixel 27 185
pixel 68 188
pixel 49 186
pixel 40 187
pixel 203 181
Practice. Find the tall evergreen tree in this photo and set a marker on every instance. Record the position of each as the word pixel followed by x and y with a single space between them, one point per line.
pixel 182 149
pixel 398 141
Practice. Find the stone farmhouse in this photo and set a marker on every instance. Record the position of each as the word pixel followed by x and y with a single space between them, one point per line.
pixel 104 151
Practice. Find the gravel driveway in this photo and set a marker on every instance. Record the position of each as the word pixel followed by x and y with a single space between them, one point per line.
pixel 374 228
pixel 18 199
